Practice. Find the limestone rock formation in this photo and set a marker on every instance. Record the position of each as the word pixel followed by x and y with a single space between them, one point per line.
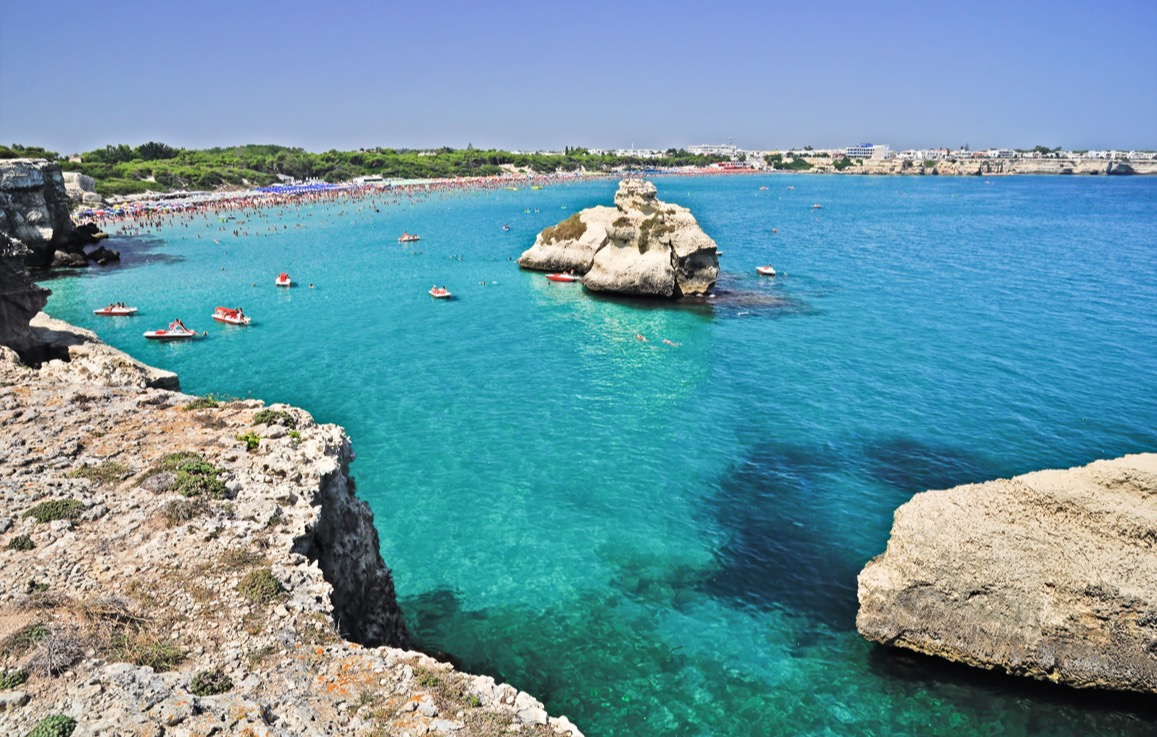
pixel 20 297
pixel 641 246
pixel 81 189
pixel 1051 575
pixel 161 573
pixel 83 357
pixel 34 209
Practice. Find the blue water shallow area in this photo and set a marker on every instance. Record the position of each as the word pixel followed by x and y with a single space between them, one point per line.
pixel 664 539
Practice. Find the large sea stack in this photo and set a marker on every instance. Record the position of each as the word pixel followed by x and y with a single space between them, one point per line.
pixel 642 246
pixel 1051 575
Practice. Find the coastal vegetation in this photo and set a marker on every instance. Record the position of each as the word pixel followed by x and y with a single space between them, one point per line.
pixel 108 473
pixel 788 163
pixel 56 509
pixel 154 166
pixel 211 683
pixel 275 417
pixel 570 229
pixel 55 725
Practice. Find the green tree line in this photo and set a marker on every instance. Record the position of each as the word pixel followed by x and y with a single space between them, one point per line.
pixel 155 166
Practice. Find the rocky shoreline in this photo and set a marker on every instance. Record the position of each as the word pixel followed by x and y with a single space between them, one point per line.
pixel 175 566
pixel 1050 575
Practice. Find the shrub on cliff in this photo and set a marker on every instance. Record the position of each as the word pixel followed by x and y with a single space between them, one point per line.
pixel 56 725
pixel 275 417
pixel 193 475
pixel 23 639
pixel 198 477
pixel 211 683
pixel 55 509
pixel 107 473
pixel 11 678
pixel 21 542
pixel 568 230
pixel 251 440
pixel 205 402
pixel 179 511
pixel 260 586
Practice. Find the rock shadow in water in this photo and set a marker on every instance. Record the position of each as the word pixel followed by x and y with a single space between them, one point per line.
pixel 979 688
pixel 738 296
pixel 779 550
pixel 135 251
pixel 912 466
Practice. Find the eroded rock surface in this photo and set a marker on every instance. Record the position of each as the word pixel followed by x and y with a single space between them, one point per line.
pixel 642 246
pixel 1051 575
pixel 20 297
pixel 128 573
pixel 35 210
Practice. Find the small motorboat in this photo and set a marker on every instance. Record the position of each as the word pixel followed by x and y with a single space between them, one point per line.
pixel 563 277
pixel 175 331
pixel 283 280
pixel 231 316
pixel 817 206
pixel 409 237
pixel 440 293
pixel 115 311
pixel 763 189
pixel 765 270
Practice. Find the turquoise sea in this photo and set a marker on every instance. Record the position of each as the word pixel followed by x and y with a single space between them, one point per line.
pixel 664 539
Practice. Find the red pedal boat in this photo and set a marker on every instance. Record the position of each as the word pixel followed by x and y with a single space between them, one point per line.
pixel 283 280
pixel 175 331
pixel 231 316
pixel 115 311
pixel 563 277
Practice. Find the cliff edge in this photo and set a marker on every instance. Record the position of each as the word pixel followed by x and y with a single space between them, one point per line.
pixel 1050 575
pixel 642 246
pixel 35 210
pixel 177 566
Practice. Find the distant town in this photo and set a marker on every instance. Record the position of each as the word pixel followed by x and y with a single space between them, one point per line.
pixel 763 159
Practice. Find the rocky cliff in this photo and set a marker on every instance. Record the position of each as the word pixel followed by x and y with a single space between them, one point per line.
pixel 1051 575
pixel 20 298
pixel 178 566
pixel 641 246
pixel 34 209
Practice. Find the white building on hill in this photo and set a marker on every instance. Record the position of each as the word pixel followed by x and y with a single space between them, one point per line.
pixel 869 151
pixel 707 149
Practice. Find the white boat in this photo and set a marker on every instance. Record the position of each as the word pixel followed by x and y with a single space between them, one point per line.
pixel 765 270
pixel 175 331
pixel 231 316
pixel 115 311
pixel 409 237
pixel 440 293
pixel 283 280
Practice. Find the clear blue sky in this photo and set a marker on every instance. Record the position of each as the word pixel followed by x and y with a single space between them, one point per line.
pixel 528 75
